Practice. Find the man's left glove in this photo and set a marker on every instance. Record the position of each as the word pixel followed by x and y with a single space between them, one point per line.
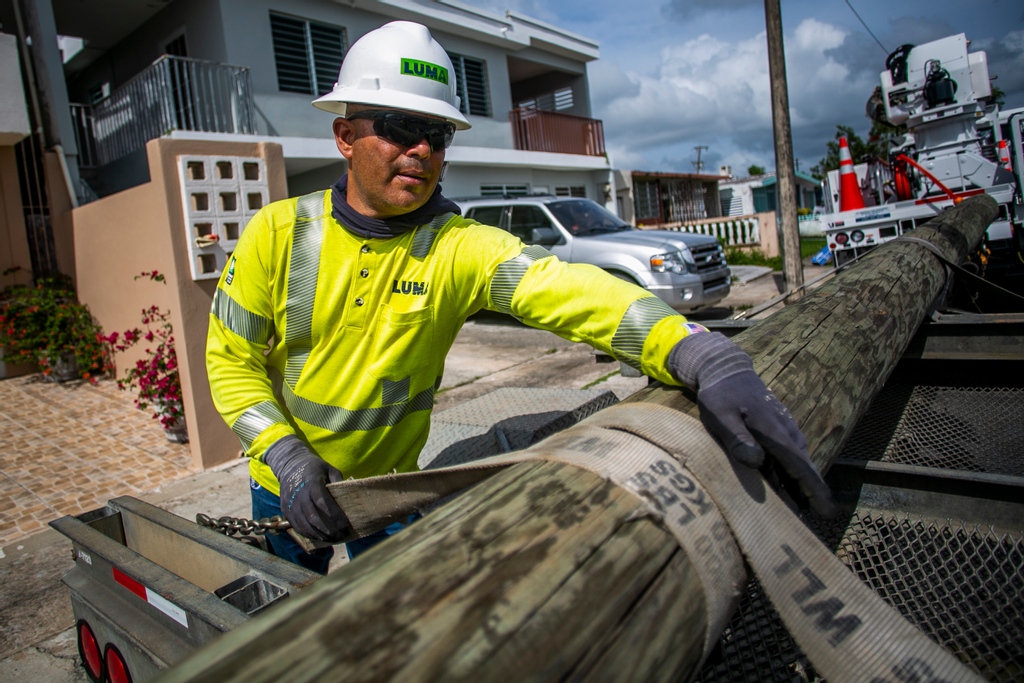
pixel 743 415
pixel 305 500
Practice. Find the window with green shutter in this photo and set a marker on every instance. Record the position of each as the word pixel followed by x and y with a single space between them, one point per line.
pixel 308 54
pixel 471 81
pixel 764 199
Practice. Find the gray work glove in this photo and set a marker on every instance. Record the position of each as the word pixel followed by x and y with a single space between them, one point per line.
pixel 743 415
pixel 305 501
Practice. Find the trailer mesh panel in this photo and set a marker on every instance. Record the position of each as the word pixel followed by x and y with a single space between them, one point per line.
pixel 973 429
pixel 962 584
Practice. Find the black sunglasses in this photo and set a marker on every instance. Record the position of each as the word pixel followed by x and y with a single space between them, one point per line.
pixel 407 131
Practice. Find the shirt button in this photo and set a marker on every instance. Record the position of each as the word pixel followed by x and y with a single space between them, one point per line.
pixel 359 301
pixel 365 249
pixel 365 272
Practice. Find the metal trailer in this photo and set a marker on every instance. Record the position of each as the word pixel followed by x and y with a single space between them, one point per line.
pixel 932 480
pixel 149 587
pixel 931 483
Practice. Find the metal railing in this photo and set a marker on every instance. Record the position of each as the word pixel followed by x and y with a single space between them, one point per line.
pixel 536 130
pixel 734 231
pixel 173 93
pixel 85 141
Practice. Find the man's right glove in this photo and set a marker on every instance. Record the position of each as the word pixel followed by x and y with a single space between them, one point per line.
pixel 305 500
pixel 743 415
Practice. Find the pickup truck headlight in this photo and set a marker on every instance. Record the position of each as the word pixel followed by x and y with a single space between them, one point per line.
pixel 674 262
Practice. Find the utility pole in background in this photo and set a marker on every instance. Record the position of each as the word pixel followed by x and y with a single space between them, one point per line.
pixel 785 175
pixel 699 165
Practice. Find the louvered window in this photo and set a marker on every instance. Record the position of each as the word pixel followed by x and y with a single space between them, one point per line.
pixel 471 80
pixel 552 101
pixel 504 190
pixel 308 54
pixel 571 191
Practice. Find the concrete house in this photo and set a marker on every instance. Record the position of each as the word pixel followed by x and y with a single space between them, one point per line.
pixel 757 194
pixel 151 132
pixel 667 198
pixel 246 70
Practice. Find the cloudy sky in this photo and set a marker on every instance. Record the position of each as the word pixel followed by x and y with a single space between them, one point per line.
pixel 675 74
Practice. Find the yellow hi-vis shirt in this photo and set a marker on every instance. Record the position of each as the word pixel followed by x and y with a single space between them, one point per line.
pixel 341 340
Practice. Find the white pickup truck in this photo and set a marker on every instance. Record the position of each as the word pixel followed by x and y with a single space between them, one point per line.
pixel 686 271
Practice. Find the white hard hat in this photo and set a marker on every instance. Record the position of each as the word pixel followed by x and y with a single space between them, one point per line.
pixel 398 66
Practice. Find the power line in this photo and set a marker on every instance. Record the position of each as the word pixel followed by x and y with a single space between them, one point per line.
pixel 866 27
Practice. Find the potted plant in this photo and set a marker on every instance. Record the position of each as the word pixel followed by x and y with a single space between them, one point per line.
pixel 154 377
pixel 46 325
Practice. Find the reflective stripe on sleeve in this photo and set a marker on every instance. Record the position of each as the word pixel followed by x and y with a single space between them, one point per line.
pixel 509 274
pixel 253 421
pixel 423 240
pixel 635 326
pixel 252 327
pixel 336 419
pixel 303 269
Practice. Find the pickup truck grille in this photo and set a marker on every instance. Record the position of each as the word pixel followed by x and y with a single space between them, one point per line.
pixel 708 257
pixel 714 284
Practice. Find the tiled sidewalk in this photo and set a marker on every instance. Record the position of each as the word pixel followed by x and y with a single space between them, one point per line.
pixel 67 448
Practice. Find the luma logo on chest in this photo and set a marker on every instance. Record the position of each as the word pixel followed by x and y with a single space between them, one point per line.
pixel 407 287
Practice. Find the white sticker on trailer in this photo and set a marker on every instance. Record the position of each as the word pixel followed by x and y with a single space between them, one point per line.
pixel 874 215
pixel 152 597
pixel 167 607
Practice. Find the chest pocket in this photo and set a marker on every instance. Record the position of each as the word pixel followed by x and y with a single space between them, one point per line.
pixel 403 345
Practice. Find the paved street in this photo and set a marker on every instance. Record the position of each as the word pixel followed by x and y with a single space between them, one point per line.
pixel 71 447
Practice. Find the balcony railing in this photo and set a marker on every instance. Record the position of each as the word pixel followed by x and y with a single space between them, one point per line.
pixel 173 93
pixel 81 119
pixel 536 130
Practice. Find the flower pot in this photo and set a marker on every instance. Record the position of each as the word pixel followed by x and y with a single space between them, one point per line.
pixel 177 431
pixel 63 368
pixel 10 369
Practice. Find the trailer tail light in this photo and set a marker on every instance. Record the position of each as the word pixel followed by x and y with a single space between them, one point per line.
pixel 857 235
pixel 89 651
pixel 842 238
pixel 117 670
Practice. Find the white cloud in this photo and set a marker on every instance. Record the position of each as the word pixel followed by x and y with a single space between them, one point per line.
pixel 708 89
pixel 813 35
pixel 1014 42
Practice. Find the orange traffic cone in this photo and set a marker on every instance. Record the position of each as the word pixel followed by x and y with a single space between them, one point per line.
pixel 849 189
pixel 1004 155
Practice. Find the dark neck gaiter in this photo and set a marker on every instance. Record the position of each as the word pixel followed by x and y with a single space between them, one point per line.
pixel 384 228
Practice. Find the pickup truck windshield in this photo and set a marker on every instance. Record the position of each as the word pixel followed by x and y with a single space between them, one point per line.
pixel 583 217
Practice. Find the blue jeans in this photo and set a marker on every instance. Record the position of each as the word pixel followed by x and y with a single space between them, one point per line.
pixel 266 504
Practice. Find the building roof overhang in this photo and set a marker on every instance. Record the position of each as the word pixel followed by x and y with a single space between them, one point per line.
pixel 665 175
pixel 102 24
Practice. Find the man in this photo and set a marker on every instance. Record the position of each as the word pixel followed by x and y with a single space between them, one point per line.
pixel 330 327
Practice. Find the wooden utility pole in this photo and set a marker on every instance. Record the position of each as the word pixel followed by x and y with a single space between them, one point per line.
pixel 784 174
pixel 699 165
pixel 549 572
